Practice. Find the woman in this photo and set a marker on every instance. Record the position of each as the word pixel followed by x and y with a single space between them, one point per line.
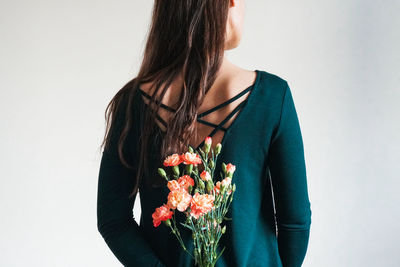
pixel 185 91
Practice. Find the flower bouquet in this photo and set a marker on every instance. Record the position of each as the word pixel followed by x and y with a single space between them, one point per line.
pixel 205 209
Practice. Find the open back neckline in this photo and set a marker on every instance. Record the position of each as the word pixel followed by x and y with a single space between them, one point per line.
pixel 240 108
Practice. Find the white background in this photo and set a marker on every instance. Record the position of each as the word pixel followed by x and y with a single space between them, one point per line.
pixel 62 61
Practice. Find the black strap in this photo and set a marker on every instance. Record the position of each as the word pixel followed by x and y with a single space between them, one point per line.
pixel 219 126
pixel 237 108
pixel 202 114
pixel 216 126
pixel 209 124
pixel 162 120
pixel 225 103
pixel 162 105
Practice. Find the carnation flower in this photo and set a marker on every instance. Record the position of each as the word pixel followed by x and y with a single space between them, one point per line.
pixel 185 180
pixel 226 182
pixel 201 204
pixel 173 185
pixel 162 213
pixel 205 175
pixel 230 168
pixel 191 158
pixel 179 199
pixel 208 140
pixel 172 160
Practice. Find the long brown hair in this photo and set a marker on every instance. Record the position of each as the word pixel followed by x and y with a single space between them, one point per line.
pixel 186 37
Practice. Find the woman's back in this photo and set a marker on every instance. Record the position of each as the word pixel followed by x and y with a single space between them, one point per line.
pixel 264 142
pixel 221 105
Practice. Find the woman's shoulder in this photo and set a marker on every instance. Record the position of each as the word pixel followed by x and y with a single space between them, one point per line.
pixel 271 90
pixel 272 82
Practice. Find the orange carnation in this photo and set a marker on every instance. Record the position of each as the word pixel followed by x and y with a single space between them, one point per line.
pixel 226 181
pixel 172 160
pixel 173 185
pixel 185 180
pixel 162 213
pixel 179 199
pixel 191 158
pixel 205 175
pixel 230 168
pixel 201 204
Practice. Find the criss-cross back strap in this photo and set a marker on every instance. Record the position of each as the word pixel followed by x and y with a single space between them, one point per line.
pixel 162 105
pixel 227 118
pixel 202 114
pixel 230 100
pixel 199 120
pixel 210 124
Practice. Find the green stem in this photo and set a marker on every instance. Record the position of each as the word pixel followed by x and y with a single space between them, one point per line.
pixel 178 235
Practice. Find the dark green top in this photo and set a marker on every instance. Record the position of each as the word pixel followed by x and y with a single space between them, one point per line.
pixel 270 211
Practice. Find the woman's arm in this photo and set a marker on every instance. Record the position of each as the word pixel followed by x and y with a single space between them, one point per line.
pixel 288 175
pixel 115 219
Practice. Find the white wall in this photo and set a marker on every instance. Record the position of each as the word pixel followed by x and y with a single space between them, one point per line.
pixel 62 61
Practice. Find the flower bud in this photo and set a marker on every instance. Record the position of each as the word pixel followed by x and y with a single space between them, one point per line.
pixel 211 163
pixel 190 149
pixel 223 229
pixel 189 169
pixel 233 187
pixel 176 169
pixel 210 186
pixel 230 169
pixel 207 144
pixel 224 167
pixel 206 149
pixel 162 173
pixel 201 184
pixel 217 149
pixel 208 140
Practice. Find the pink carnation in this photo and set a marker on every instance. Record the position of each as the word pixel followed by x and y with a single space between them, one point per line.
pixel 201 204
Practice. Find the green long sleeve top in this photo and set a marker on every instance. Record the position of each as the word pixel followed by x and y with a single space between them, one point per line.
pixel 270 211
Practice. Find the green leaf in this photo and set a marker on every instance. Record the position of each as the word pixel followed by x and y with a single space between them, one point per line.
pixel 219 255
pixel 188 226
